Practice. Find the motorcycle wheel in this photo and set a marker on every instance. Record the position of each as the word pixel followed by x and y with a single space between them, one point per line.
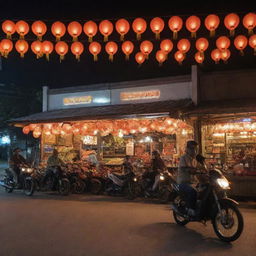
pixel 29 187
pixel 96 186
pixel 80 187
pixel 180 220
pixel 64 187
pixel 231 226
pixel 8 190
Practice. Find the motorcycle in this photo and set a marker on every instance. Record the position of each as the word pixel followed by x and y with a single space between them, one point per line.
pixel 212 205
pixel 9 182
pixel 52 179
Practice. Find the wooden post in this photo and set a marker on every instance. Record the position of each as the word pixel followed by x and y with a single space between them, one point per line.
pixel 197 123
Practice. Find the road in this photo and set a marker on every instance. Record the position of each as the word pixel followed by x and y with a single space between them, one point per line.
pixel 52 225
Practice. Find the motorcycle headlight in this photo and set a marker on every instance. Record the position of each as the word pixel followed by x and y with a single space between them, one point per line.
pixel 223 183
pixel 29 170
pixel 135 179
pixel 23 169
pixel 161 177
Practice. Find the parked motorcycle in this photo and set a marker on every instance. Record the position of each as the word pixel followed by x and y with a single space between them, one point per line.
pixel 52 179
pixel 9 182
pixel 212 205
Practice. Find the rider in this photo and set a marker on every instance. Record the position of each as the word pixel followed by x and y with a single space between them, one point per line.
pixel 15 162
pixel 186 175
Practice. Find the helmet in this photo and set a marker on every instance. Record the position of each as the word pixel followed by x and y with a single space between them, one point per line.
pixel 191 143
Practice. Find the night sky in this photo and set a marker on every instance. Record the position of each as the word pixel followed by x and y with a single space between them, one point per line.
pixel 34 73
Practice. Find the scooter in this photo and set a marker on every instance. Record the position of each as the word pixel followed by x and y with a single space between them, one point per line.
pixel 212 205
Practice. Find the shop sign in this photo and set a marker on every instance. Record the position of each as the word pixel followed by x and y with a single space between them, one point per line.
pixel 141 95
pixel 130 148
pixel 77 100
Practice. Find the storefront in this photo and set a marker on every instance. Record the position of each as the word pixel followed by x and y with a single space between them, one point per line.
pixel 114 120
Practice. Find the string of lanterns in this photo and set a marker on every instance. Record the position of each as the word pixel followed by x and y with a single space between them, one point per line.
pixel 122 26
pixel 106 127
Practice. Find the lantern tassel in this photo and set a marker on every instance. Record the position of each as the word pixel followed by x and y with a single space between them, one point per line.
pixel 40 38
pixel 146 55
pixel 138 36
pixel 201 54
pixel 241 52
pixel 22 37
pixel 61 58
pixel 254 52
pixel 250 32
pixel 75 38
pixel 47 56
pixel 232 32
pixel 105 38
pixel 212 33
pixel 22 55
pixel 90 39
pixel 160 64
pixel 95 57
pixel 175 35
pixel 122 37
pixel 57 38
pixel 78 57
pixel 127 57
pixel 8 36
pixel 193 34
pixel 157 36
pixel 111 57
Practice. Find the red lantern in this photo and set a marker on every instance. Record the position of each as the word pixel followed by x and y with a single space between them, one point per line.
pixel 61 48
pixel 225 54
pixel 26 129
pixel 166 46
pixel 252 42
pixel 231 21
pixel 122 27
pixel 90 29
pixel 140 57
pixel 249 22
pixel 216 55
pixel 212 22
pixel 74 29
pixel 161 57
pixel 202 45
pixel 193 23
pixel 183 45
pixel 139 26
pixel 179 56
pixel 77 49
pixel 106 29
pixel 8 27
pixel 111 48
pixel 33 126
pixel 240 43
pixel 39 29
pixel 21 47
pixel 37 132
pixel 175 24
pixel 199 57
pixel 58 30
pixel 157 26
pixel 67 128
pixel 127 48
pixel 22 28
pixel 222 43
pixel 56 129
pixel 95 49
pixel 6 46
pixel 47 48
pixel 146 48
pixel 37 49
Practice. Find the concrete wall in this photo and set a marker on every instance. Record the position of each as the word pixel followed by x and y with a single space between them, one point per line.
pixel 226 85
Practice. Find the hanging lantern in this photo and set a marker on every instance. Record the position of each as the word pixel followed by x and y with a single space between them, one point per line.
pixel 67 128
pixel 47 48
pixel 90 29
pixel 252 43
pixel 8 27
pixel 146 48
pixel 240 43
pixel 161 57
pixel 6 46
pixel 199 57
pixel 22 28
pixel 202 45
pixel 21 47
pixel 39 29
pixel 222 43
pixel 37 48
pixel 111 48
pixel 95 49
pixel 37 132
pixel 140 58
pixel 33 126
pixel 231 21
pixel 139 26
pixel 183 45
pixel 77 49
pixel 74 29
pixel 61 48
pixel 157 26
pixel 106 29
pixel 212 22
pixel 193 23
pixel 225 54
pixel 56 129
pixel 249 22
pixel 216 55
pixel 179 56
pixel 166 45
pixel 175 24
pixel 122 27
pixel 26 129
pixel 127 48
pixel 58 30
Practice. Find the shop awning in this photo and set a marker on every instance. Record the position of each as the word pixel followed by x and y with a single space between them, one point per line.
pixel 171 108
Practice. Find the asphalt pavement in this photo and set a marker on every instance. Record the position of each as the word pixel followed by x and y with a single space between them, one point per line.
pixel 53 225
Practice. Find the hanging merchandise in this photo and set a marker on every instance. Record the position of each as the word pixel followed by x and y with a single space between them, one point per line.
pixel 74 29
pixel 231 21
pixel 106 29
pixel 193 23
pixel 212 22
pixel 39 29
pixel 47 48
pixel 61 48
pixel 157 26
pixel 240 43
pixel 122 28
pixel 22 28
pixel 8 27
pixel 77 49
pixel 127 48
pixel 58 30
pixel 90 29
pixel 139 26
pixel 6 47
pixel 146 48
pixel 175 24
pixel 111 48
pixel 21 47
pixel 95 49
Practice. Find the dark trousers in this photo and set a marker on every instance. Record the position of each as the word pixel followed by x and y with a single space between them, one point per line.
pixel 190 194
